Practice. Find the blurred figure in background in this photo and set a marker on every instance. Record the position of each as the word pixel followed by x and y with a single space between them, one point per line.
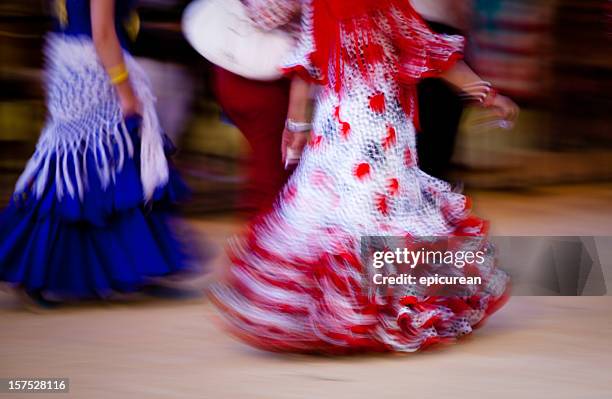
pixel 89 215
pixel 259 110
pixel 440 107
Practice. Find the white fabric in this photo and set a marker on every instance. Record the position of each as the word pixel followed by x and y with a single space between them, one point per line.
pixel 223 33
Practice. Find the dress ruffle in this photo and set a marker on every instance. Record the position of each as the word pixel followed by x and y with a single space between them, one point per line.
pixel 321 301
pixel 71 260
pixel 297 281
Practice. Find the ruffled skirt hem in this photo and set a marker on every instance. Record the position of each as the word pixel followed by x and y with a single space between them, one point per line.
pixel 325 303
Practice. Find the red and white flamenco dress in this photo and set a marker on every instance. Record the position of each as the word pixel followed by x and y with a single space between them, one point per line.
pixel 296 281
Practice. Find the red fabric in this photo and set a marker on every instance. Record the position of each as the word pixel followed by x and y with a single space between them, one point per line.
pixel 259 110
pixel 353 8
pixel 420 52
pixel 377 103
pixel 362 171
pixel 333 273
pixel 391 138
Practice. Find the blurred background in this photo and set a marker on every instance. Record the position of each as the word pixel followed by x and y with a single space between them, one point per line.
pixel 552 56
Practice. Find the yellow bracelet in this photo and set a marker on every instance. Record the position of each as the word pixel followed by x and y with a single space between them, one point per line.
pixel 118 74
pixel 120 78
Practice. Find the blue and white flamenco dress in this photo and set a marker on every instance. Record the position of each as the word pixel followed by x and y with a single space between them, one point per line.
pixel 90 215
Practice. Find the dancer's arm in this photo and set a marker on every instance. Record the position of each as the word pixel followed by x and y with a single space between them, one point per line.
pixel 298 112
pixel 464 78
pixel 110 53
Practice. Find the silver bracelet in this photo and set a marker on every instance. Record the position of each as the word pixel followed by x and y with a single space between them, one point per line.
pixel 298 127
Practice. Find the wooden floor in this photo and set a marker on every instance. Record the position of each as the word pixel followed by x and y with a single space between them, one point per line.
pixel 535 347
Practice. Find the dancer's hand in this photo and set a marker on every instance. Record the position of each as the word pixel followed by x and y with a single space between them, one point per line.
pixel 297 127
pixel 292 147
pixel 464 78
pixel 504 108
pixel 128 101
